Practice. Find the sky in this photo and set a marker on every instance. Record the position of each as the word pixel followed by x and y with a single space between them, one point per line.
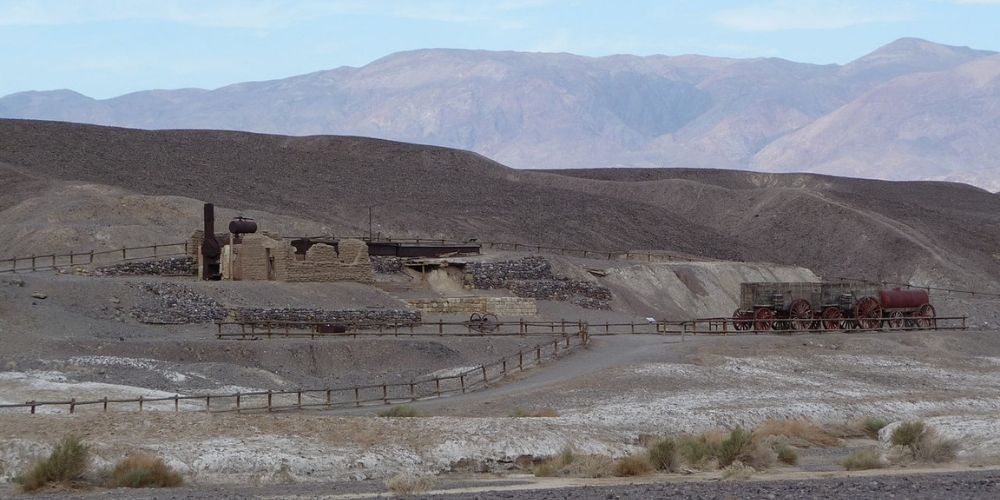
pixel 105 48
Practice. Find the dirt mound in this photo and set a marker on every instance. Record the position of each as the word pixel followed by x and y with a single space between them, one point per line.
pixel 936 233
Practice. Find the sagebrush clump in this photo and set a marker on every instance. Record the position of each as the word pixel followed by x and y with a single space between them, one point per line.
pixel 400 411
pixel 922 442
pixel 144 471
pixel 663 455
pixel 633 465
pixel 868 458
pixel 66 465
pixel 409 484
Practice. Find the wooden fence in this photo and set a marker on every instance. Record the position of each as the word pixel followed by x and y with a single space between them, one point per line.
pixel 89 258
pixel 431 387
pixel 730 326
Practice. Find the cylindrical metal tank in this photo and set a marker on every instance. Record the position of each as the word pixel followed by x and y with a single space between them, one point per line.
pixel 899 299
pixel 242 226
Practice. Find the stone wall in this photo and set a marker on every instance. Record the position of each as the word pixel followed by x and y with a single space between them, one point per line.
pixel 501 306
pixel 532 277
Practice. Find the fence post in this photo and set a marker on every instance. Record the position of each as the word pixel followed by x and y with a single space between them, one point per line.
pixel 72 405
pixel 32 403
pixel 440 326
pixel 91 256
pixel 385 393
pixel 140 403
pixel 503 367
pixel 105 403
pixel 32 262
pixel 123 253
pixel 357 398
pixel 268 400
pixel 484 374
pixel 437 386
pixel 520 360
pixel 299 399
pixel 461 378
pixel 413 393
pixel 237 401
pixel 176 405
pixel 328 398
pixel 208 402
pixel 555 348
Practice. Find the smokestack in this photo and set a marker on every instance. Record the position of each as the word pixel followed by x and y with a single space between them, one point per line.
pixel 210 248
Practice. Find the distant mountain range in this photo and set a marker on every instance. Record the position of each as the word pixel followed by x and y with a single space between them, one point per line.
pixel 912 109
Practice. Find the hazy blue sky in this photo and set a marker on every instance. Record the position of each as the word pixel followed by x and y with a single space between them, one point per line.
pixel 104 48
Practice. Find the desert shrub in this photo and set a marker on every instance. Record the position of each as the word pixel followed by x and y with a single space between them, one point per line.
pixel 592 466
pixel 868 458
pixel 663 454
pixel 907 434
pixel 738 445
pixel 536 413
pixel 633 465
pixel 871 426
pixel 67 463
pixel 400 411
pixel 699 450
pixel 409 484
pixel 933 448
pixel 144 471
pixel 738 470
pixel 569 464
pixel 797 429
pixel 786 454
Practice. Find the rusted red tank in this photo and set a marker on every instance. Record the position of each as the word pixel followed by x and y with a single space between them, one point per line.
pixel 897 298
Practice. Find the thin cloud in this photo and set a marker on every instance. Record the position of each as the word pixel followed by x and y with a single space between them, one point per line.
pixel 804 15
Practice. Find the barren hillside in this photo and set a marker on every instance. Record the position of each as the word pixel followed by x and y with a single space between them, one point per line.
pixel 928 231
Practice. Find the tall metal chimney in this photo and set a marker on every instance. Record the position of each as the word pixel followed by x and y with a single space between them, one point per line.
pixel 210 248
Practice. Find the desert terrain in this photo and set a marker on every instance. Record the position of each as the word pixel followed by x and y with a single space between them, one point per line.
pixel 104 330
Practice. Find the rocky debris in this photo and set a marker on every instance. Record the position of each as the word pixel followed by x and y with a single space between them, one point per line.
pixel 18 282
pixel 39 295
pixel 172 266
pixel 387 265
pixel 403 316
pixel 170 303
pixel 532 277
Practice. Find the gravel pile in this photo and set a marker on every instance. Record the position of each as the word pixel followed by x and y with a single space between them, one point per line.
pixel 170 303
pixel 173 266
pixel 532 277
pixel 387 265
pixel 403 316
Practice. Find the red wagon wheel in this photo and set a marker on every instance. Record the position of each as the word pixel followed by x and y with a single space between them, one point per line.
pixel 868 313
pixel 763 319
pixel 833 319
pixel 924 317
pixel 741 320
pixel 800 315
pixel 896 320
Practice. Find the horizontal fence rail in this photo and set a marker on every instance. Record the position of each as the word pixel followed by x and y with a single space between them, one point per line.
pixel 59 261
pixel 430 387
pixel 316 329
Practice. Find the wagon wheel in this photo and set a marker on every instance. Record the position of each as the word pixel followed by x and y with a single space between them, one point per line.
pixel 924 317
pixel 476 322
pixel 868 313
pixel 763 319
pixel 800 315
pixel 490 323
pixel 833 319
pixel 740 320
pixel 895 320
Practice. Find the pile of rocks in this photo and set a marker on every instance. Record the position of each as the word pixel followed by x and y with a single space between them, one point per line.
pixel 170 303
pixel 533 277
pixel 173 266
pixel 402 316
pixel 387 265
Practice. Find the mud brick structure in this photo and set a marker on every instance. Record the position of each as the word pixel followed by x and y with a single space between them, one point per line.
pixel 266 257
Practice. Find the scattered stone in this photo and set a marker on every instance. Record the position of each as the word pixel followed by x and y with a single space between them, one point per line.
pixel 387 265
pixel 172 266
pixel 39 295
pixel 532 277
pixel 170 303
pixel 402 316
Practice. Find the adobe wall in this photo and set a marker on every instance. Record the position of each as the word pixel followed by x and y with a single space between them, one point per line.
pixel 501 306
pixel 323 263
